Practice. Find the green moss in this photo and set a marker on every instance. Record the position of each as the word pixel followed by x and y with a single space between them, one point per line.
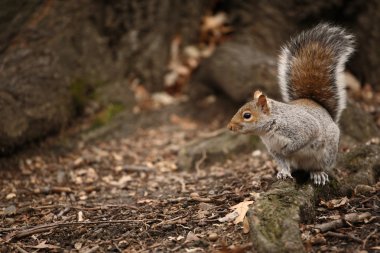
pixel 81 92
pixel 274 222
pixel 107 114
pixel 330 190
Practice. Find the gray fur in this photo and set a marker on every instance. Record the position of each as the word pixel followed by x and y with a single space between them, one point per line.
pixel 302 137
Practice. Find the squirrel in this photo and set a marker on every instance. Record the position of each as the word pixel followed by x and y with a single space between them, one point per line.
pixel 302 132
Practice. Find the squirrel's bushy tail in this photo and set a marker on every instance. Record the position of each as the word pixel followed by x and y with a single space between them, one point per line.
pixel 311 66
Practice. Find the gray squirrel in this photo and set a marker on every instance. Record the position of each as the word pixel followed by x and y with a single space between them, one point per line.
pixel 303 132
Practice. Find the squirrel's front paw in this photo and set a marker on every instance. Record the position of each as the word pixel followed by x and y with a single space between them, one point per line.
pixel 283 174
pixel 319 178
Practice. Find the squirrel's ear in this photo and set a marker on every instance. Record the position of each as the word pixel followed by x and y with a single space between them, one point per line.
pixel 257 94
pixel 263 104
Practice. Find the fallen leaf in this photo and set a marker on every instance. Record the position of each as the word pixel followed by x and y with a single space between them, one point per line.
pixel 9 210
pixel 195 196
pixel 194 250
pixel 334 203
pixel 80 216
pixel 364 189
pixel 205 206
pixel 241 209
pixel 245 226
pixel 191 237
pixel 317 239
pixel 179 238
pixel 11 196
pixel 229 217
pixel 163 98
pixel 78 245
pixel 255 195
pixel 214 22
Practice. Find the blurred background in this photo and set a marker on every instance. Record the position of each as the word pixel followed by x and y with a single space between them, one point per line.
pixel 113 134
pixel 62 61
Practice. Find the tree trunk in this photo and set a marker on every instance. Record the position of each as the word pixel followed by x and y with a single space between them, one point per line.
pixel 52 53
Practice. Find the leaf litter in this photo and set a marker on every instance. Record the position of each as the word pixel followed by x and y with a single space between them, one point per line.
pixel 126 194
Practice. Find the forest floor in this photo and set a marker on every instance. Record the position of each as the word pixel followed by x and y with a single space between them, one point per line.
pixel 124 192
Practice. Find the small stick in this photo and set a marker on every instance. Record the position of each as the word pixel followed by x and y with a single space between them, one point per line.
pixel 58 189
pixel 93 249
pixel 47 227
pixel 64 211
pixel 138 168
pixel 21 250
pixel 343 236
pixel 200 161
pixel 94 207
pixel 348 218
pixel 367 238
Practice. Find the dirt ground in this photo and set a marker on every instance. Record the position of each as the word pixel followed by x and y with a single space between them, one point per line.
pixel 125 193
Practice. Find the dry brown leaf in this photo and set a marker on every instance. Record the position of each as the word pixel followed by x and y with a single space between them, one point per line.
pixel 163 98
pixel 334 203
pixel 229 217
pixel 80 216
pixel 191 237
pixel 214 22
pixel 245 225
pixel 9 210
pixel 78 245
pixel 11 195
pixel 241 209
pixel 364 189
pixel 255 195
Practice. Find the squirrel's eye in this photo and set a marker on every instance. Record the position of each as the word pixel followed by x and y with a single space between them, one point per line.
pixel 247 115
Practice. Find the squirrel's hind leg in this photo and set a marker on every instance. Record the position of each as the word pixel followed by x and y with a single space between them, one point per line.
pixel 319 178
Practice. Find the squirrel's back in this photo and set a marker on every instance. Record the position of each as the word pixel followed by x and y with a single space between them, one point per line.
pixel 311 66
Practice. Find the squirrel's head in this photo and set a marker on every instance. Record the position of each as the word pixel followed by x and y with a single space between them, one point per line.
pixel 249 117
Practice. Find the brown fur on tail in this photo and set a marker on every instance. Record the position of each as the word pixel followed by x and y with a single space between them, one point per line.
pixel 311 67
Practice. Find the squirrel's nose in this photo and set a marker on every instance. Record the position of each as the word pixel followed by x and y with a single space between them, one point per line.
pixel 230 126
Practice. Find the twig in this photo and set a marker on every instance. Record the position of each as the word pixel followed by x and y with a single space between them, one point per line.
pixel 21 250
pixel 348 218
pixel 93 249
pixel 200 161
pixel 95 207
pixel 64 211
pixel 368 199
pixel 138 168
pixel 170 221
pixel 343 236
pixel 367 238
pixel 104 207
pixel 181 181
pixel 7 229
pixel 46 227
pixel 58 189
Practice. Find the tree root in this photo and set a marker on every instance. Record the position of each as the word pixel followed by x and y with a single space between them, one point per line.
pixel 274 218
